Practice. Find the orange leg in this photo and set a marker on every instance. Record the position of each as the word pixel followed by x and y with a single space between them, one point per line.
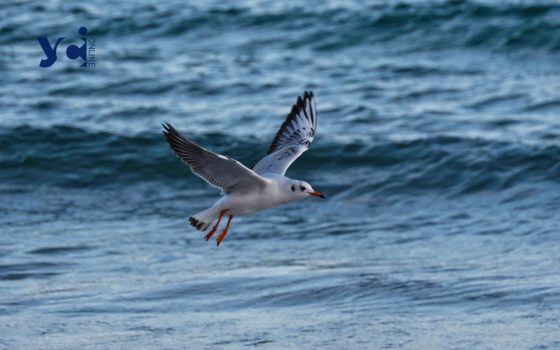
pixel 224 232
pixel 215 226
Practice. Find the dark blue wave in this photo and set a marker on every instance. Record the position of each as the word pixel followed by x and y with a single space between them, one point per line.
pixel 429 25
pixel 72 157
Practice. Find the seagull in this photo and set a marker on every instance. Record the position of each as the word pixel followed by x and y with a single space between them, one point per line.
pixel 246 191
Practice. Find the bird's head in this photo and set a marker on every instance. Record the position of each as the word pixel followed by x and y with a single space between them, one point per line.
pixel 301 189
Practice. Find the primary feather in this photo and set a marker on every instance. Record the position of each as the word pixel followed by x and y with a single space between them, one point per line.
pixel 292 139
pixel 218 170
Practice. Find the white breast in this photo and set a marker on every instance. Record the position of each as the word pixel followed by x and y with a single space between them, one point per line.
pixel 273 194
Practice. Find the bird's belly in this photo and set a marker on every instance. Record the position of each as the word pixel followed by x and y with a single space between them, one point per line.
pixel 250 203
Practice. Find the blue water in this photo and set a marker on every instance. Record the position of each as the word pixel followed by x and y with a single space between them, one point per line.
pixel 438 148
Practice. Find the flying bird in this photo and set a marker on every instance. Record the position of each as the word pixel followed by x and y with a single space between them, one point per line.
pixel 246 191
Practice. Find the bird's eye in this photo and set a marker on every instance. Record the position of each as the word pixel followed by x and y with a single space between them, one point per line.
pixel 293 188
pixel 302 188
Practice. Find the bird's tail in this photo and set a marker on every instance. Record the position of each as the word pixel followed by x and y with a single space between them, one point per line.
pixel 201 221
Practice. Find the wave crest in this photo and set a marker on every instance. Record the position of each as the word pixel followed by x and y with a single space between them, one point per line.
pixel 72 157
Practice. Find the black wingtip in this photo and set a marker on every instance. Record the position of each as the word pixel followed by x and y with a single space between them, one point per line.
pixel 170 134
pixel 301 101
pixel 166 127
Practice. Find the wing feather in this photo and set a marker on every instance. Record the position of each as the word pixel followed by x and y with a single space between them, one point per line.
pixel 292 139
pixel 218 170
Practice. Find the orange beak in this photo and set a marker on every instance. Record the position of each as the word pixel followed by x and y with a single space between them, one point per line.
pixel 317 194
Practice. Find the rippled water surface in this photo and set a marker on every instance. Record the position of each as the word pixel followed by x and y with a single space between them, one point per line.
pixel 438 148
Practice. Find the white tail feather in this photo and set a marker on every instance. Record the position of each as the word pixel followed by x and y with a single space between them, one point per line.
pixel 201 221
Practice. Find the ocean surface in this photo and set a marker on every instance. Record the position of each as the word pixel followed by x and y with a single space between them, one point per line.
pixel 438 148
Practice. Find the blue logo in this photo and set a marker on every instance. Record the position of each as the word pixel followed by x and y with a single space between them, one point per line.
pixel 86 52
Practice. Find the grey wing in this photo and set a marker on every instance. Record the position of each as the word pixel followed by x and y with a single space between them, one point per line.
pixel 293 138
pixel 216 169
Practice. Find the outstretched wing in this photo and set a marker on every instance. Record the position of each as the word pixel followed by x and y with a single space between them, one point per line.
pixel 293 138
pixel 216 169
